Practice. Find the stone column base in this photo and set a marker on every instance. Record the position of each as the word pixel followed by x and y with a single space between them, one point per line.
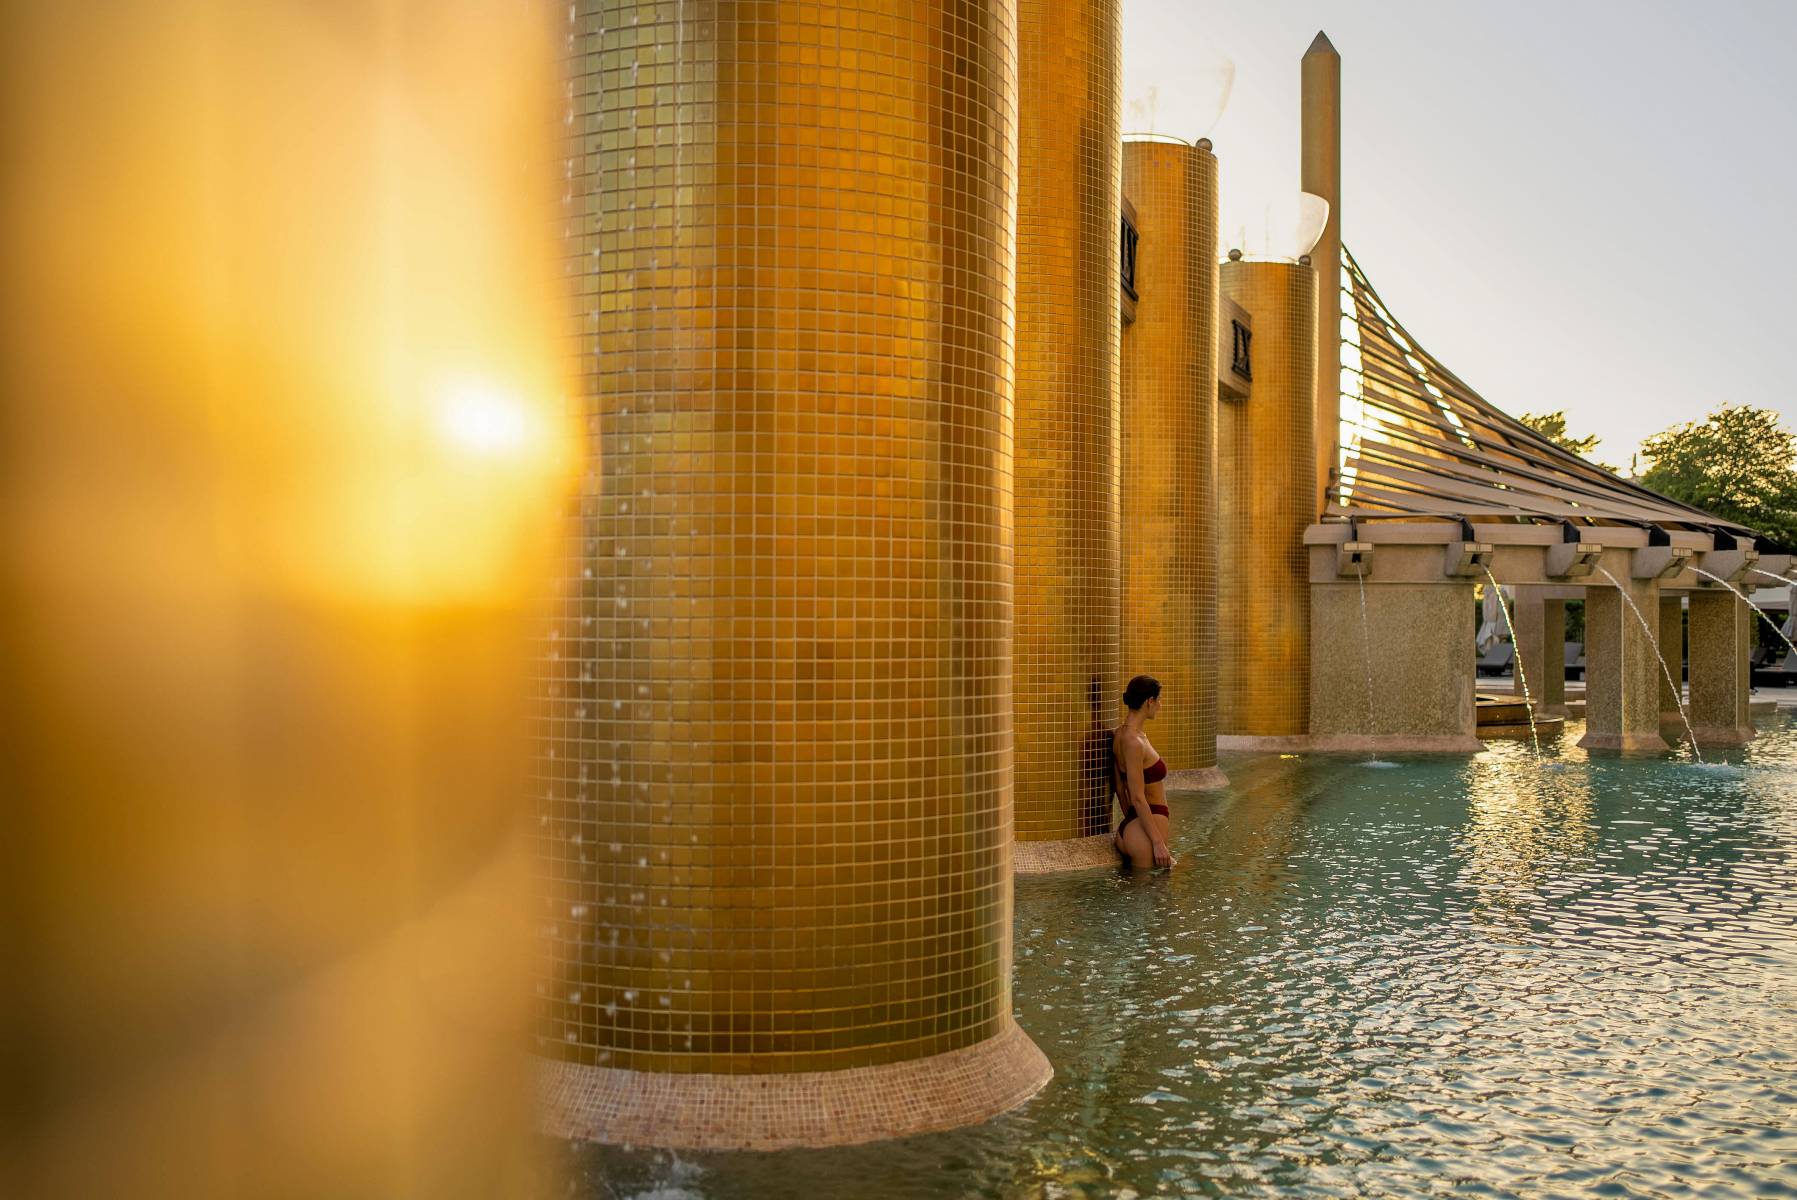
pixel 1353 743
pixel 1197 779
pixel 1064 854
pixel 1631 743
pixel 1283 743
pixel 1395 743
pixel 1721 735
pixel 808 1108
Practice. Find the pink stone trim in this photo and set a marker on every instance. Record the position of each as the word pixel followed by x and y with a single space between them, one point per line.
pixel 1067 854
pixel 809 1108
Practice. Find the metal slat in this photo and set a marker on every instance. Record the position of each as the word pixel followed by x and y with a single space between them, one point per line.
pixel 1399 406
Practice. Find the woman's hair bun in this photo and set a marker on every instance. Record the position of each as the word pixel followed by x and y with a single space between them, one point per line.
pixel 1140 691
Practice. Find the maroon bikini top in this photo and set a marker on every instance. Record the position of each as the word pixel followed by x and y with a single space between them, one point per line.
pixel 1155 773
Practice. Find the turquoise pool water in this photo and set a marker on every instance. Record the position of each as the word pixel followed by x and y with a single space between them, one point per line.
pixel 1469 976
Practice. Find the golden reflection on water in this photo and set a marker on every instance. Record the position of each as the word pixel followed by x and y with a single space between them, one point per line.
pixel 279 447
pixel 1525 823
pixel 1254 827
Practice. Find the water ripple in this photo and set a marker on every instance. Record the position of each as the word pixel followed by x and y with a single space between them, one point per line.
pixel 1476 977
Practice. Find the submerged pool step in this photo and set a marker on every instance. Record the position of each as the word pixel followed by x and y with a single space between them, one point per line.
pixel 1508 716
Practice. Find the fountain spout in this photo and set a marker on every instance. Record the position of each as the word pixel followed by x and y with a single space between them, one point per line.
pixel 1660 562
pixel 1467 558
pixel 1354 558
pixel 1730 560
pixel 1573 556
pixel 1570 560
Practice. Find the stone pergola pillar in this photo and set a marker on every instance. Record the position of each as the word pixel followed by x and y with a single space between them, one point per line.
pixel 1622 667
pixel 1392 658
pixel 1541 647
pixel 1721 640
pixel 1672 648
pixel 1419 671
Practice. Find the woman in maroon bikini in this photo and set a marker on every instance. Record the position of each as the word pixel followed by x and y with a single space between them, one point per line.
pixel 1137 775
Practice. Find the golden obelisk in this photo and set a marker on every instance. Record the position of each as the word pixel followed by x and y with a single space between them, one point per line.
pixel 1321 176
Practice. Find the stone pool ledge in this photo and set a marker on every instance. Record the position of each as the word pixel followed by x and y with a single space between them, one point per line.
pixel 1065 854
pixel 1197 779
pixel 1355 743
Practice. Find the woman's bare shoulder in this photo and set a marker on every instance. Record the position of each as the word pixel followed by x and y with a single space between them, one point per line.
pixel 1129 743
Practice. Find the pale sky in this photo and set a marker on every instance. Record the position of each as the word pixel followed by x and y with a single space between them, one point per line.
pixel 1573 205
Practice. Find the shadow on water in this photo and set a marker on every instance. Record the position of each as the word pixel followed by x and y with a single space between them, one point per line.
pixel 1464 973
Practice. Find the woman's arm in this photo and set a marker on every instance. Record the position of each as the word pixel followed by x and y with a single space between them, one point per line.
pixel 1138 798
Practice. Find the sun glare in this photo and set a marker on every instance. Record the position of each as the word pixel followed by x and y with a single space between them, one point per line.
pixel 483 417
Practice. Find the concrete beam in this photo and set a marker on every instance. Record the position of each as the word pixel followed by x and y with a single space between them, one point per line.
pixel 1517 554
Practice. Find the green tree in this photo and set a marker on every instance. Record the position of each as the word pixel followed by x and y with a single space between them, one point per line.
pixel 1739 464
pixel 1552 426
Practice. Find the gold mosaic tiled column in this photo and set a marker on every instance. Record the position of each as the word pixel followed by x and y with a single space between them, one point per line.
pixel 1266 485
pixel 1069 213
pixel 777 777
pixel 1169 390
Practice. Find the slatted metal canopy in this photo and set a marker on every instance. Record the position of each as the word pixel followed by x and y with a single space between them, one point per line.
pixel 1418 443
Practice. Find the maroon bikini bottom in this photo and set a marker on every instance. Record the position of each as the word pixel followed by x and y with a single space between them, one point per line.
pixel 1159 810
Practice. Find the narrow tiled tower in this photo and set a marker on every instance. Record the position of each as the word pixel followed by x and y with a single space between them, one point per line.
pixel 1169 413
pixel 1069 214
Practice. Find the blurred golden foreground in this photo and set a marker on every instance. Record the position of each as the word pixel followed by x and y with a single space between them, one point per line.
pixel 282 455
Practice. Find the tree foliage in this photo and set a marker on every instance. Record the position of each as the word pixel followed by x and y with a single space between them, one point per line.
pixel 1739 463
pixel 1552 426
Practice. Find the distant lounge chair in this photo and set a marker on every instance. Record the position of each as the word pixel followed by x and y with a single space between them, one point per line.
pixel 1575 660
pixel 1497 660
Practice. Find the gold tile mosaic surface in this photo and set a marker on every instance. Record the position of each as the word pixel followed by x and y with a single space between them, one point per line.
pixel 1068 285
pixel 775 785
pixel 1169 388
pixel 1266 495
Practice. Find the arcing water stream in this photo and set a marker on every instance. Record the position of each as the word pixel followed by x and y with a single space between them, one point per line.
pixel 1750 604
pixel 1677 692
pixel 1521 678
pixel 1366 650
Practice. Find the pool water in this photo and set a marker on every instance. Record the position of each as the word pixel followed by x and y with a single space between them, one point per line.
pixel 1481 976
